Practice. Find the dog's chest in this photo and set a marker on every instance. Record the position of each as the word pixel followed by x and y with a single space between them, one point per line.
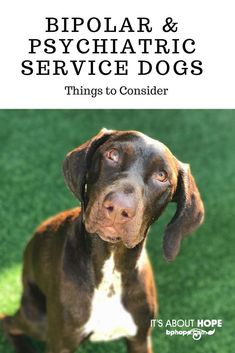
pixel 109 319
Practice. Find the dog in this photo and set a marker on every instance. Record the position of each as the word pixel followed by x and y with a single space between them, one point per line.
pixel 86 272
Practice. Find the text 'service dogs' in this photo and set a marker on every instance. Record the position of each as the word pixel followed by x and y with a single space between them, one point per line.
pixel 86 271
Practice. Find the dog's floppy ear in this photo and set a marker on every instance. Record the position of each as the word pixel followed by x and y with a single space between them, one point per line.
pixel 77 161
pixel 189 213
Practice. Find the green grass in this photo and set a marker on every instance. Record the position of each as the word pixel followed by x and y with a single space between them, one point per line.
pixel 201 282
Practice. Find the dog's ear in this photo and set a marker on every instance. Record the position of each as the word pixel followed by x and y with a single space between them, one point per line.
pixel 189 212
pixel 77 161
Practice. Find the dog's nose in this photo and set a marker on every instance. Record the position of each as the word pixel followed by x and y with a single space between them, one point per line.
pixel 120 207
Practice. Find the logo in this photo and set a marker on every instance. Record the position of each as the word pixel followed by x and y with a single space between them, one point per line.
pixel 196 333
pixel 194 326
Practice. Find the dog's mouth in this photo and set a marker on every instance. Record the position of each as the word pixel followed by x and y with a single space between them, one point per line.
pixel 109 238
pixel 112 231
pixel 109 234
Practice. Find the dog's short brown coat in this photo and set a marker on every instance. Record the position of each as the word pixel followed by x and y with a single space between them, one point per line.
pixel 64 260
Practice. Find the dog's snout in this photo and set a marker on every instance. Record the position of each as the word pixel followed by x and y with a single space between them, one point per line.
pixel 120 207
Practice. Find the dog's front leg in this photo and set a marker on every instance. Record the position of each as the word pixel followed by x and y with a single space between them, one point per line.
pixel 61 345
pixel 139 345
pixel 55 350
pixel 61 334
pixel 62 339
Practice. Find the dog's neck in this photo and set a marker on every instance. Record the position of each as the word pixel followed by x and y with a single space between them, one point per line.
pixel 126 260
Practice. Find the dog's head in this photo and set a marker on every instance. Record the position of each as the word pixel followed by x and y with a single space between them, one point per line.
pixel 124 180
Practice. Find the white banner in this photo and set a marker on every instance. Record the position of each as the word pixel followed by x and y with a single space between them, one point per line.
pixel 124 54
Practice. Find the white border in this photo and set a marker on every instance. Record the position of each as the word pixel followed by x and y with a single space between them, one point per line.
pixel 210 23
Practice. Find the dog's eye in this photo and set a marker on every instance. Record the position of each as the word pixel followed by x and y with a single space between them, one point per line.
pixel 160 176
pixel 112 155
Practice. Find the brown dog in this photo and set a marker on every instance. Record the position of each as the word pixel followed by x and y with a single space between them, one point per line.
pixel 86 272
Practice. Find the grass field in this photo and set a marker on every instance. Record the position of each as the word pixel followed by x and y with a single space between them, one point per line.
pixel 200 284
